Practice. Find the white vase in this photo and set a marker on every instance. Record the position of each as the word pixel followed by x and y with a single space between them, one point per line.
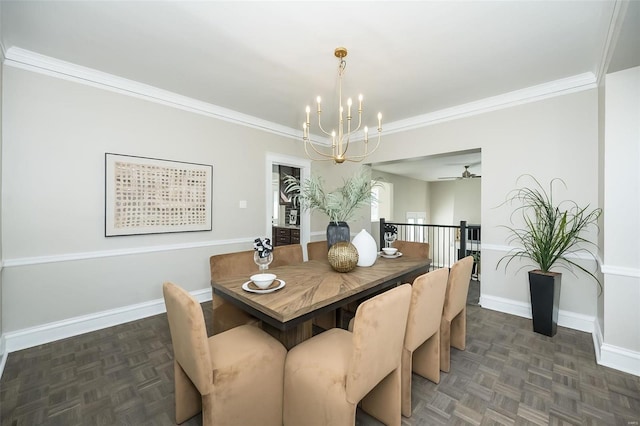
pixel 367 248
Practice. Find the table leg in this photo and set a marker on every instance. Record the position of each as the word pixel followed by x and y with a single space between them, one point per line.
pixel 290 338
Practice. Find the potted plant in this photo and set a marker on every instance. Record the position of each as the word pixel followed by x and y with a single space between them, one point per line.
pixel 550 234
pixel 340 205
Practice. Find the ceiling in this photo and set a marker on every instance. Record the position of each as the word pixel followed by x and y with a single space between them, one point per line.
pixel 268 60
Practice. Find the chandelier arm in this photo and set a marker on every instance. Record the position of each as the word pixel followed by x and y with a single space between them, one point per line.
pixel 316 150
pixel 324 156
pixel 359 120
pixel 346 148
pixel 351 159
pixel 359 158
pixel 321 129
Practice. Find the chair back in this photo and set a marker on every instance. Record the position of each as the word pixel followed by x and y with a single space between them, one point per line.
pixel 317 250
pixel 425 311
pixel 457 287
pixel 287 255
pixel 412 248
pixel 189 336
pixel 378 335
pixel 241 262
pixel 230 264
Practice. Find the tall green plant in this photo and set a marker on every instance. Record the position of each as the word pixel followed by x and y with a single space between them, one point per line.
pixel 551 232
pixel 339 205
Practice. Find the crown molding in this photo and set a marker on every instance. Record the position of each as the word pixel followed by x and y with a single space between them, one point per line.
pixel 31 61
pixel 613 33
pixel 550 89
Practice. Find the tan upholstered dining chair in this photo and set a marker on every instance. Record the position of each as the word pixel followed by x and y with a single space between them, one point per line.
pixel 235 377
pixel 328 375
pixel 287 255
pixel 412 249
pixel 226 315
pixel 453 326
pixel 421 352
pixel 317 250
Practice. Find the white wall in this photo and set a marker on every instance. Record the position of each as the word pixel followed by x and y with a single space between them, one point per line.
pixel 56 133
pixel 456 200
pixel 442 203
pixel 2 348
pixel 409 195
pixel 622 216
pixel 542 138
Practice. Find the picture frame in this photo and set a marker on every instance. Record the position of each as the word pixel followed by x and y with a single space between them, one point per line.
pixel 146 195
pixel 293 217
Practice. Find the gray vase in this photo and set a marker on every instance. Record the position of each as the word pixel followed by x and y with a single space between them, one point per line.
pixel 337 232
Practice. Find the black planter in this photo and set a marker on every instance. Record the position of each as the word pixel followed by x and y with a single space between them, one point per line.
pixel 337 232
pixel 544 288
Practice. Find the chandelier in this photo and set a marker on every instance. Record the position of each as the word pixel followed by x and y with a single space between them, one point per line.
pixel 341 138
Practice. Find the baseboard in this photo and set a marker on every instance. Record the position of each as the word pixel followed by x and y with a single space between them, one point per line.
pixel 620 359
pixel 598 339
pixel 508 306
pixel 33 336
pixel 567 319
pixel 3 355
pixel 614 356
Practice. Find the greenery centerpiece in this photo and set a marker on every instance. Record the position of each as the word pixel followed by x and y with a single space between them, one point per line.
pixel 340 205
pixel 551 233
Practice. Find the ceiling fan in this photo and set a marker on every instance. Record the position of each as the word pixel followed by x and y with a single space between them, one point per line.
pixel 465 175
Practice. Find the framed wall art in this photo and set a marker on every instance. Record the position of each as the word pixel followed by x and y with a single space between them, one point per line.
pixel 151 196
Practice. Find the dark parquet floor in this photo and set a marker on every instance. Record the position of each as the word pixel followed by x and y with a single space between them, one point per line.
pixel 508 375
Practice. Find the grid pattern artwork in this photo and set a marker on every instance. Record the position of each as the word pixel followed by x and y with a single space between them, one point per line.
pixel 146 195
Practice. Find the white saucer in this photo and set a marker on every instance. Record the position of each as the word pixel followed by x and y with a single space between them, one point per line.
pixel 246 287
pixel 390 256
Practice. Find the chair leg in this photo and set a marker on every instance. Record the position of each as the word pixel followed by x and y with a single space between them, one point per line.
pixel 187 396
pixel 384 401
pixel 445 345
pixel 406 382
pixel 208 412
pixel 459 330
pixel 426 358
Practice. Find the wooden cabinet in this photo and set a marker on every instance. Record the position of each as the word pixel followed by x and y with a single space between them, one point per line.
pixel 295 236
pixel 283 236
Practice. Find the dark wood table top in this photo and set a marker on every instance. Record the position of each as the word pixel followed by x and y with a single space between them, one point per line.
pixel 312 288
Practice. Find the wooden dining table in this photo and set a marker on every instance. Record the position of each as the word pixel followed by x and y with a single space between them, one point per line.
pixel 313 288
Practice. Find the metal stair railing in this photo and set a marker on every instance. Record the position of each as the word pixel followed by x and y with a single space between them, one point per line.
pixel 447 243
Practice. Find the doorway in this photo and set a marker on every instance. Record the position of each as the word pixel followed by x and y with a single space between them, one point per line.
pixel 275 160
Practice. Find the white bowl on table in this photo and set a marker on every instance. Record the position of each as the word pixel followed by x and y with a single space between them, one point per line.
pixel 390 251
pixel 263 281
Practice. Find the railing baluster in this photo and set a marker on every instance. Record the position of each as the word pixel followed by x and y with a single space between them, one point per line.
pixel 444 245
